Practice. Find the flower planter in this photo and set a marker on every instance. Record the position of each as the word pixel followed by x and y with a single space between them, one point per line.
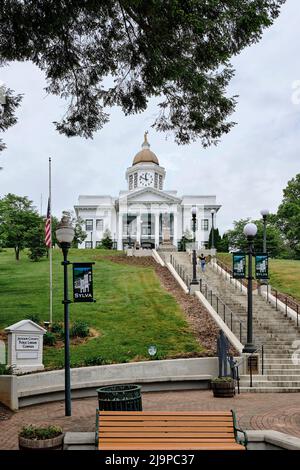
pixel 223 389
pixel 56 443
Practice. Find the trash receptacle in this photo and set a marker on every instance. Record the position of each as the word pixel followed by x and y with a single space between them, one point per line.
pixel 120 398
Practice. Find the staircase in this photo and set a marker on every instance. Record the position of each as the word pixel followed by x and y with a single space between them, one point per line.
pixel 271 328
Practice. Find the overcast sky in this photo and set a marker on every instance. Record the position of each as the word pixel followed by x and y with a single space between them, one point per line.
pixel 247 170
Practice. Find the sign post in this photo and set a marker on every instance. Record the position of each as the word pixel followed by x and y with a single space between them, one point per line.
pixel 83 282
pixel 239 265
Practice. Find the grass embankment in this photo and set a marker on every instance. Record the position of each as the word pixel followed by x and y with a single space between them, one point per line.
pixel 132 309
pixel 284 274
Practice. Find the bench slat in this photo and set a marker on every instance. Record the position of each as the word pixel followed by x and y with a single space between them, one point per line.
pixel 148 419
pixel 175 446
pixel 166 413
pixel 160 433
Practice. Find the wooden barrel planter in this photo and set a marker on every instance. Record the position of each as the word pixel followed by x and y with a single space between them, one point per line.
pixel 56 443
pixel 223 388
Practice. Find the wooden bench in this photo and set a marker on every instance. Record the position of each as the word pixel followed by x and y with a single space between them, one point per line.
pixel 158 430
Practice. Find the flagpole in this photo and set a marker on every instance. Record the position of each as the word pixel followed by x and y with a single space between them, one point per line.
pixel 50 249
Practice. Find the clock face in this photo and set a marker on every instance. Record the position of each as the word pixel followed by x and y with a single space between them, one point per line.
pixel 146 179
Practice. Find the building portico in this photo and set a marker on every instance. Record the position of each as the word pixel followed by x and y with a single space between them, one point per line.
pixel 145 214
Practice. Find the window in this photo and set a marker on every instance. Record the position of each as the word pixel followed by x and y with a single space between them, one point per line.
pixel 135 180
pixel 89 225
pixel 99 225
pixel 130 182
pixel 204 224
pixel 160 182
pixel 89 244
pixel 156 180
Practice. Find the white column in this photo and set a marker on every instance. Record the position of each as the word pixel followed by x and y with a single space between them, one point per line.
pixel 138 228
pixel 175 228
pixel 156 229
pixel 120 231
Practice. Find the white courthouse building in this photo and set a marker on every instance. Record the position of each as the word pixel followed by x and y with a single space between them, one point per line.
pixel 144 212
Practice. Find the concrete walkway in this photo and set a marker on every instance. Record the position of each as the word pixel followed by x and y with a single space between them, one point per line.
pixel 276 411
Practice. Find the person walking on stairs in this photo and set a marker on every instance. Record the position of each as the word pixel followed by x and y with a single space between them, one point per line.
pixel 202 261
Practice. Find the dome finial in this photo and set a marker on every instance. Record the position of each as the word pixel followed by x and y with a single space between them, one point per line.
pixel 145 144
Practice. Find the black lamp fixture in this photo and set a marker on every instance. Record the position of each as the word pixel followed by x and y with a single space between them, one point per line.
pixel 212 229
pixel 194 222
pixel 250 230
pixel 65 235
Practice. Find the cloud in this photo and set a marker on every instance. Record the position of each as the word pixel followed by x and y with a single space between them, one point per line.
pixel 247 170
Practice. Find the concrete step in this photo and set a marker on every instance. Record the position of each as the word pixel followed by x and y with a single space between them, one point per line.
pixel 266 389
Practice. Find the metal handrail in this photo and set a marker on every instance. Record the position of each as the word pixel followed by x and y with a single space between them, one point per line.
pixel 208 292
pixel 236 366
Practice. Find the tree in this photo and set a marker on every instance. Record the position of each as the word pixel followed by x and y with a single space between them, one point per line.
pixel 100 54
pixel 288 215
pixel 17 219
pixel 217 238
pixel 223 245
pixel 275 241
pixel 36 242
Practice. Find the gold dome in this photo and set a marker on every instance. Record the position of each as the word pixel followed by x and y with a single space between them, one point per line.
pixel 145 155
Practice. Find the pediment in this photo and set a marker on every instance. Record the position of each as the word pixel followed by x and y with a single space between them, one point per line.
pixel 25 326
pixel 149 195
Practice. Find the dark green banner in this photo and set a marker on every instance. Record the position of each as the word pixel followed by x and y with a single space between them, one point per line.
pixel 261 266
pixel 83 282
pixel 239 265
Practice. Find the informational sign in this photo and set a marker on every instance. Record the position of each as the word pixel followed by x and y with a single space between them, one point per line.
pixel 27 343
pixel 261 266
pixel 83 282
pixel 239 265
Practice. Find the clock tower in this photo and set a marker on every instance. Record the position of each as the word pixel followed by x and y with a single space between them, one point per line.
pixel 145 170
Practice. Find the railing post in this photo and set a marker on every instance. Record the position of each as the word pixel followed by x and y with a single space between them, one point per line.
pixel 240 332
pixel 224 313
pixel 231 321
pixel 297 315
pixel 276 298
pixel 250 371
pixel 286 306
pixel 262 359
pixel 211 294
pixel 218 304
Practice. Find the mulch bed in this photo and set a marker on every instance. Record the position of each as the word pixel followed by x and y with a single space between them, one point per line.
pixel 200 321
pixel 5 413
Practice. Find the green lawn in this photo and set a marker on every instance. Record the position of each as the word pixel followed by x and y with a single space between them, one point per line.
pixel 132 309
pixel 284 274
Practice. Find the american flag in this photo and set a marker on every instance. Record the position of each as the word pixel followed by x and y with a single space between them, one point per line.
pixel 48 227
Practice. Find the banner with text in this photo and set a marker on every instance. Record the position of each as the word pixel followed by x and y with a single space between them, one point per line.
pixel 239 265
pixel 83 282
pixel 261 266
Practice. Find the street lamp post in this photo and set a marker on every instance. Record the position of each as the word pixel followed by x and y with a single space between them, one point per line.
pixel 265 213
pixel 194 220
pixel 250 230
pixel 212 229
pixel 65 235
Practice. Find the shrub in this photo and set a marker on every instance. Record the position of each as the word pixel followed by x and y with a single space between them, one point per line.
pixel 5 370
pixel 38 433
pixel 221 379
pixel 94 361
pixel 57 328
pixel 49 339
pixel 80 329
pixel 35 318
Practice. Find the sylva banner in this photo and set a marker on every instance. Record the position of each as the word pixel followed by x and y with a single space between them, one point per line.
pixel 83 282
pixel 261 266
pixel 239 265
